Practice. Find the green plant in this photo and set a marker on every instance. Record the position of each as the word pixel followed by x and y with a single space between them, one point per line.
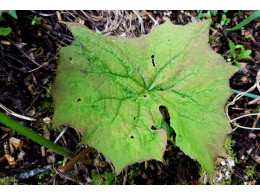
pixel 5 31
pixel 246 21
pixel 237 52
pixel 224 20
pixel 250 171
pixel 228 145
pixel 34 136
pixel 113 88
pixel 103 179
pixel 48 104
pixel 10 12
pixel 203 15
pixel 36 20
pixel 8 181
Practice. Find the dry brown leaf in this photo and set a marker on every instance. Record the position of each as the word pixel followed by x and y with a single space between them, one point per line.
pixel 6 129
pixel 16 143
pixel 11 160
pixel 47 120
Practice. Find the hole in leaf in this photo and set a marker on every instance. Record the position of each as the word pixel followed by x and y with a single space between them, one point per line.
pixel 164 112
pixel 71 59
pixel 78 100
pixel 145 95
pixel 161 89
pixel 132 137
pixel 153 127
pixel 134 118
pixel 166 117
pixel 153 60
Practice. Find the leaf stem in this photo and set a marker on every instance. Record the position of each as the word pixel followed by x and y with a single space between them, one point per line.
pixel 34 136
pixel 247 94
pixel 79 157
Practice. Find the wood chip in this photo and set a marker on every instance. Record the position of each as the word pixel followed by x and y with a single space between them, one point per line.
pixel 16 143
pixel 43 151
pixel 6 129
pixel 47 120
pixel 165 18
pixel 11 160
pixel 5 42
pixel 58 16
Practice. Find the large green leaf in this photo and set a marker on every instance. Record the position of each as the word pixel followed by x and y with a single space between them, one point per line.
pixel 111 88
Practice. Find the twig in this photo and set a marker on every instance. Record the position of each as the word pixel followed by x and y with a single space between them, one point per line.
pixel 24 53
pixel 15 114
pixel 256 85
pixel 140 21
pixel 74 160
pixel 125 176
pixel 61 134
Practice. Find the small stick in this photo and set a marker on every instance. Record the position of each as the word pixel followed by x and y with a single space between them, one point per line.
pixel 15 114
pixel 77 158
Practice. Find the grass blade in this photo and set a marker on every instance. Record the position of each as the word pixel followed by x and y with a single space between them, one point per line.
pixel 246 21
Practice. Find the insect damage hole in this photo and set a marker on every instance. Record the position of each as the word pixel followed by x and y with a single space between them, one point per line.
pixel 166 117
pixel 153 127
pixel 78 100
pixel 132 137
pixel 153 60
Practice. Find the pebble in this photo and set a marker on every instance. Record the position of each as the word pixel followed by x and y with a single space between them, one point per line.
pixel 21 155
pixel 230 162
pixel 249 151
pixel 252 135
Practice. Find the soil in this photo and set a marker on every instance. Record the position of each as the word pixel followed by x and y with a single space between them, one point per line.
pixel 28 61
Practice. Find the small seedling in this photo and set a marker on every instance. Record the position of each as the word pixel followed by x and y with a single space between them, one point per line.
pixel 36 20
pixel 207 14
pixel 224 20
pixel 237 52
pixel 250 171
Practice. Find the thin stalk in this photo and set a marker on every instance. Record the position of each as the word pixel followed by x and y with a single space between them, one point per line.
pixel 247 94
pixel 77 158
pixel 34 136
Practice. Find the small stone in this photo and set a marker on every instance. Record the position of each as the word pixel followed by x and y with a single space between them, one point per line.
pixel 223 163
pixel 230 162
pixel 252 135
pixel 249 151
pixel 256 158
pixel 227 174
pixel 47 120
pixel 21 155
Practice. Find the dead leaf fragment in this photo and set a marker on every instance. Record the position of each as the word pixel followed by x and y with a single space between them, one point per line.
pixel 5 42
pixel 47 120
pixel 16 143
pixel 11 160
